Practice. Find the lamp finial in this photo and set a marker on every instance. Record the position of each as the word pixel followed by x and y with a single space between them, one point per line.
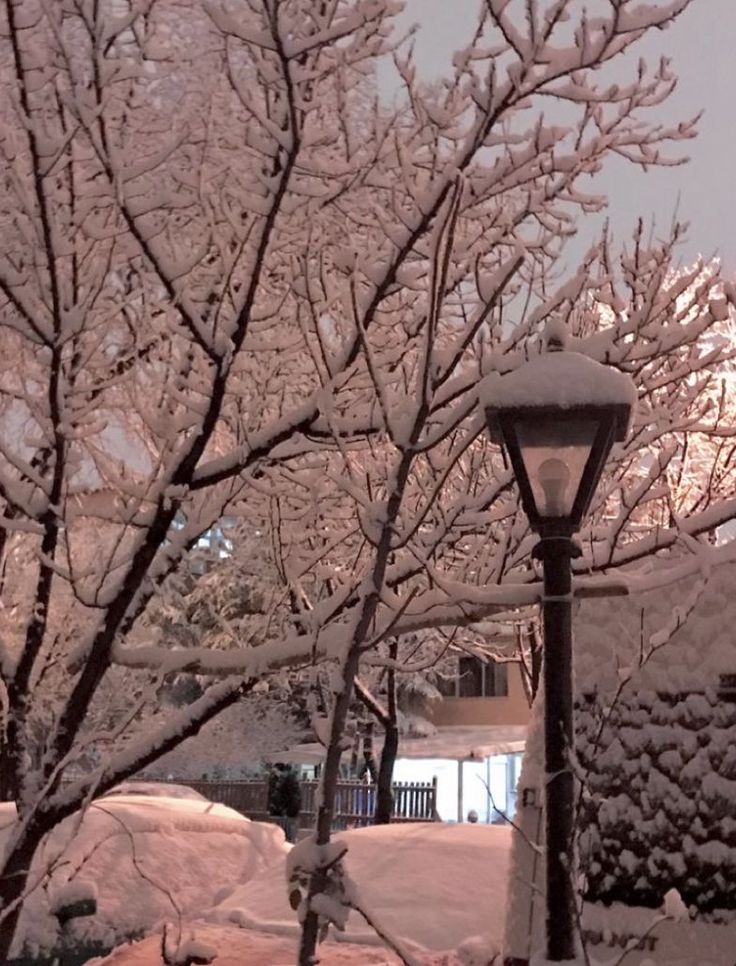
pixel 556 336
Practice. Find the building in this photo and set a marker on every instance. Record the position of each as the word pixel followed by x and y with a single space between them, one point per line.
pixel 476 750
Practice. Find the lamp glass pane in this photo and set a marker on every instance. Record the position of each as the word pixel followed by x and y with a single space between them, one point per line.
pixel 555 453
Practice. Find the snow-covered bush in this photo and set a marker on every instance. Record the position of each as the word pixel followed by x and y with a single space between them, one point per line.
pixel 659 807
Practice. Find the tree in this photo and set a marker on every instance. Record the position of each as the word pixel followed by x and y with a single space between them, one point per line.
pixel 235 284
pixel 144 275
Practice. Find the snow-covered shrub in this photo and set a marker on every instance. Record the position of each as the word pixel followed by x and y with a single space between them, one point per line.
pixel 333 902
pixel 660 803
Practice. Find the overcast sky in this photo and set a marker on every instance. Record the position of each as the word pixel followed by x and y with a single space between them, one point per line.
pixel 701 45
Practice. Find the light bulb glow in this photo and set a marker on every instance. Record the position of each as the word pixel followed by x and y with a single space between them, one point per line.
pixel 554 477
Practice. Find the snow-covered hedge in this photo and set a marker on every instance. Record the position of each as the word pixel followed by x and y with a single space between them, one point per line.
pixel 660 803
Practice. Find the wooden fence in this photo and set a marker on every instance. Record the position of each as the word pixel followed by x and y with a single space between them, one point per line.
pixel 355 801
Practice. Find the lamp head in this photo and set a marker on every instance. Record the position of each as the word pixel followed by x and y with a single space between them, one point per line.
pixel 557 417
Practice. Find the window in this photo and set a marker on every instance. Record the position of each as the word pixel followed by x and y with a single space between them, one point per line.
pixel 727 687
pixel 475 678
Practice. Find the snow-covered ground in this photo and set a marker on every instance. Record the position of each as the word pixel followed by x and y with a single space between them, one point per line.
pixel 241 947
pixel 220 880
pixel 145 860
pixel 433 885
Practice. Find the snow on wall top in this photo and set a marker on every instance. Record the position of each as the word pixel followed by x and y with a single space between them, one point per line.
pixel 562 379
pixel 611 634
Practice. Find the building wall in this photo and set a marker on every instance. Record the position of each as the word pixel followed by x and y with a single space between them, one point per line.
pixel 513 709
pixel 675 639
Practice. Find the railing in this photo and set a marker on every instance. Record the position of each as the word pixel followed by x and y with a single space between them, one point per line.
pixel 355 801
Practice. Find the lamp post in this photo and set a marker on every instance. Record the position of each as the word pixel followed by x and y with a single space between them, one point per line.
pixel 557 417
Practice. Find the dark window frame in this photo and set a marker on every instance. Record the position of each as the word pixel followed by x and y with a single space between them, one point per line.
pixel 475 677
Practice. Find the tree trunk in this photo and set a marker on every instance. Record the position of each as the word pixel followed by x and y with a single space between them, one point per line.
pixel 13 879
pixel 325 812
pixel 6 775
pixel 384 792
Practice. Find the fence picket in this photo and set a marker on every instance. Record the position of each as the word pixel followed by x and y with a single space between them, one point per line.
pixel 355 801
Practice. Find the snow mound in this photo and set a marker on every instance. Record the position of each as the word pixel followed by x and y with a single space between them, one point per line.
pixel 434 885
pixel 144 863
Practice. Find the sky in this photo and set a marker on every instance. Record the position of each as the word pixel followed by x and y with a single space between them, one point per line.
pixel 701 46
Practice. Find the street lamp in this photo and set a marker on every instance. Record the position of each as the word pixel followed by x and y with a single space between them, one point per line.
pixel 557 417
